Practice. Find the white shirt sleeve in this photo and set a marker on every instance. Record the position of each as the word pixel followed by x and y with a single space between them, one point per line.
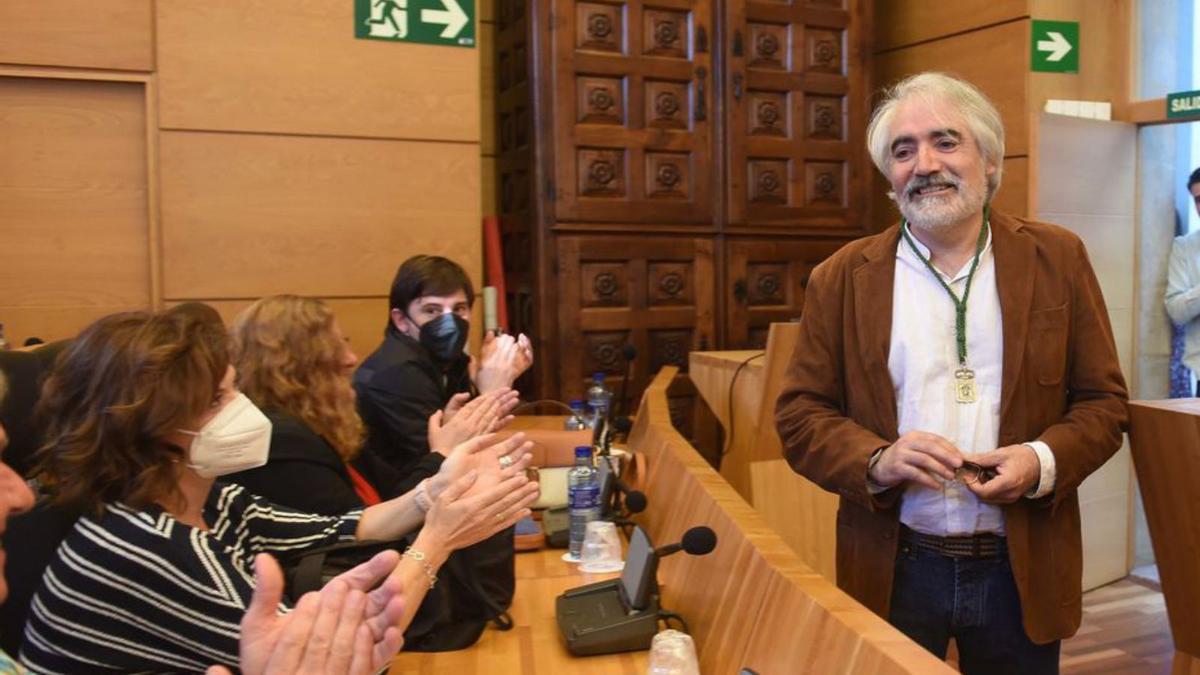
pixel 1046 458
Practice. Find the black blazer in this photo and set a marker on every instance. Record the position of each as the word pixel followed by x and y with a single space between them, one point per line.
pixel 305 473
pixel 399 386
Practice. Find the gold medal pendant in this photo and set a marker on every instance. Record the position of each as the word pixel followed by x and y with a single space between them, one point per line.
pixel 964 385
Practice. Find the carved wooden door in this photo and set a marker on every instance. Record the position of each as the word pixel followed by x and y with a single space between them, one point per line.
pixel 795 92
pixel 632 100
pixel 655 293
pixel 767 279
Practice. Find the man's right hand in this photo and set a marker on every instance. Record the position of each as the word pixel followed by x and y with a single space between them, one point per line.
pixel 913 457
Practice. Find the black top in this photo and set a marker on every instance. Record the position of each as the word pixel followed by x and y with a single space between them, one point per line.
pixel 304 472
pixel 141 591
pixel 399 386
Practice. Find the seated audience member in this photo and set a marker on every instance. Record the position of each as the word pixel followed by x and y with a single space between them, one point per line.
pixel 141 418
pixel 293 362
pixel 421 367
pixel 262 651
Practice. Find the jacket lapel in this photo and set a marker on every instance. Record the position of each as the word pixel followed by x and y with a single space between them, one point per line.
pixel 1015 254
pixel 873 282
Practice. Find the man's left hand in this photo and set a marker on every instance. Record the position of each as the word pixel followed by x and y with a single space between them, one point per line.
pixel 1017 472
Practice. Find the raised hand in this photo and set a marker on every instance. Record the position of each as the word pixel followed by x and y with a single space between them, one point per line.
pixel 502 359
pixel 462 516
pixel 492 459
pixel 485 413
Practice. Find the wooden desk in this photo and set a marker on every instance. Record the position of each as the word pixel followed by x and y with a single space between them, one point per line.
pixel 1165 439
pixel 750 603
pixel 803 514
pixel 533 646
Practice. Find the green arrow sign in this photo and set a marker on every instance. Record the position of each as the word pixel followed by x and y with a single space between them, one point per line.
pixel 434 22
pixel 1055 46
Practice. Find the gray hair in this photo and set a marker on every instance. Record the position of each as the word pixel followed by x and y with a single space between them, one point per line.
pixel 983 120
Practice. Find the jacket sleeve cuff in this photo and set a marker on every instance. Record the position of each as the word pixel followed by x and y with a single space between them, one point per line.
pixel 1046 482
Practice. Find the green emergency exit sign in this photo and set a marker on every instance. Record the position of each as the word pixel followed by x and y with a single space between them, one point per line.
pixel 1183 104
pixel 432 22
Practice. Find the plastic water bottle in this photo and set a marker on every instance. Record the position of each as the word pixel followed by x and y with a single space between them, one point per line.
pixel 599 398
pixel 579 420
pixel 583 497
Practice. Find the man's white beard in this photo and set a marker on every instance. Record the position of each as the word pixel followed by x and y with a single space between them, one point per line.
pixel 942 212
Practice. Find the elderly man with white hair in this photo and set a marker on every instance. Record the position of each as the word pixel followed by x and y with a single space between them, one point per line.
pixel 955 380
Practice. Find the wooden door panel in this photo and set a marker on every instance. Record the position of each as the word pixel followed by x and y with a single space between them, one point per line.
pixel 631 97
pixel 655 293
pixel 795 90
pixel 767 279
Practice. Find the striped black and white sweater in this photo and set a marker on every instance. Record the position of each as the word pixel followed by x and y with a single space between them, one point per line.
pixel 140 591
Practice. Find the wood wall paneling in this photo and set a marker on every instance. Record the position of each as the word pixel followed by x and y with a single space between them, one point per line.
pixel 73 214
pixel 113 34
pixel 996 59
pixel 297 68
pixel 362 319
pixel 905 22
pixel 247 215
pixel 487 88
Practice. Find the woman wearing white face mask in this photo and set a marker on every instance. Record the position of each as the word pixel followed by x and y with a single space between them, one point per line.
pixel 142 417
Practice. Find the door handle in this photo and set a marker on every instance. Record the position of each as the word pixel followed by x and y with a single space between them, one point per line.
pixel 700 111
pixel 737 86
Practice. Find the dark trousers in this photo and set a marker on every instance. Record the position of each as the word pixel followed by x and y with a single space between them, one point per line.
pixel 974 601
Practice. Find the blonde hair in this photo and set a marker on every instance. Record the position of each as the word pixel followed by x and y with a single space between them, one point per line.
pixel 288 360
pixel 981 117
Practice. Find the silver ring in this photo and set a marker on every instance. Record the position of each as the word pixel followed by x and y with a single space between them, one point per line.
pixel 506 462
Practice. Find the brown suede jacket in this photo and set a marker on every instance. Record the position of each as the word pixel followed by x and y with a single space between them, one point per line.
pixel 1061 384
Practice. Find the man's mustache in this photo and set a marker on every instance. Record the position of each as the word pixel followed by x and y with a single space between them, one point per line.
pixel 932 180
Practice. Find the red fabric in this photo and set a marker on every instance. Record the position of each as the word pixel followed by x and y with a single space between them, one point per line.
pixel 493 265
pixel 365 492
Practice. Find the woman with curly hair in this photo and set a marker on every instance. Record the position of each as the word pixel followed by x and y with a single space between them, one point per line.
pixel 294 362
pixel 142 417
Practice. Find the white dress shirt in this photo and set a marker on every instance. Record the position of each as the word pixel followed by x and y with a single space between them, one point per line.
pixel 922 358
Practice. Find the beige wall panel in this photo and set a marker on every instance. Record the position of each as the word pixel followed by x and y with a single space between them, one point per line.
pixel 245 215
pixel 56 322
pixel 994 59
pixel 114 34
pixel 1105 34
pixel 905 22
pixel 361 319
pixel 487 88
pixel 259 65
pixel 73 216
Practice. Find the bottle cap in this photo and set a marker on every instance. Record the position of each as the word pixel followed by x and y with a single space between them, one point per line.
pixel 598 376
pixel 583 451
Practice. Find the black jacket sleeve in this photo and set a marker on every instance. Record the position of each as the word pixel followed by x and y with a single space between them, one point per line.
pixel 396 404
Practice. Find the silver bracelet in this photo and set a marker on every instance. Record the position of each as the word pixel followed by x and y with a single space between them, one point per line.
pixel 418 556
pixel 421 496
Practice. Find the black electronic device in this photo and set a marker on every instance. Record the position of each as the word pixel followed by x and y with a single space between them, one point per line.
pixel 618 499
pixel 622 615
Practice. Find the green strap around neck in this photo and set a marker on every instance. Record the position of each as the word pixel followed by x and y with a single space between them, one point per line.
pixel 960 306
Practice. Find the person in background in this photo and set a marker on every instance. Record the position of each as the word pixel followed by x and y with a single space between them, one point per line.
pixel 421 368
pixel 142 417
pixel 954 381
pixel 1183 285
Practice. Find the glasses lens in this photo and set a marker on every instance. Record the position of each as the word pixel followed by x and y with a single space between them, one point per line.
pixel 968 473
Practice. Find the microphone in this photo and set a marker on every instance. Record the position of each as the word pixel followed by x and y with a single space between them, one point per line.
pixel 635 500
pixel 630 353
pixel 699 540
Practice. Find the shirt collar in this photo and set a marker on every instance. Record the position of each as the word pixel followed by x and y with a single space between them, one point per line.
pixel 903 252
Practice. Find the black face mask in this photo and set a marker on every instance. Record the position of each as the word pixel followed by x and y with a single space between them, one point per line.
pixel 445 337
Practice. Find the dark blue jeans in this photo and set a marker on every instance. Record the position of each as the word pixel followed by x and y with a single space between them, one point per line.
pixel 974 601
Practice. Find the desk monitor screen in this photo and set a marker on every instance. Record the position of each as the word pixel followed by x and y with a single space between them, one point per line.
pixel 637 581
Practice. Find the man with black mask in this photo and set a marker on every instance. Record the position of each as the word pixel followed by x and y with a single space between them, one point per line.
pixel 421 366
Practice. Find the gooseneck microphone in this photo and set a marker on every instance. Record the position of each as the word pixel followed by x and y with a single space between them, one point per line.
pixel 700 540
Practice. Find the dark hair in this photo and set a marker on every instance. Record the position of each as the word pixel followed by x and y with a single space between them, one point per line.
pixel 423 275
pixel 126 383
pixel 1193 179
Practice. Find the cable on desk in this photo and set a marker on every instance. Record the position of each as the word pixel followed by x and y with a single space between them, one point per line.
pixel 732 425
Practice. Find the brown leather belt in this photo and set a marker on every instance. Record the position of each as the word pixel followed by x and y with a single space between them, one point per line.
pixel 973 546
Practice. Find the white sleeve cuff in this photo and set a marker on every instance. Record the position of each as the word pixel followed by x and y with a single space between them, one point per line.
pixel 1046 458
